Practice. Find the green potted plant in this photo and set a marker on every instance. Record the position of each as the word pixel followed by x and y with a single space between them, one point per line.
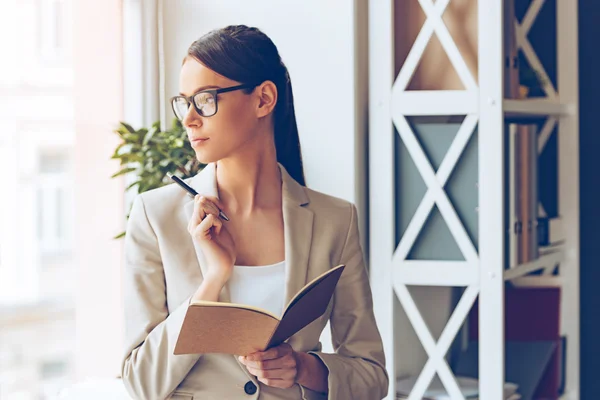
pixel 149 154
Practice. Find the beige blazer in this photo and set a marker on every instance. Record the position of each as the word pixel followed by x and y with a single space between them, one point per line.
pixel 164 266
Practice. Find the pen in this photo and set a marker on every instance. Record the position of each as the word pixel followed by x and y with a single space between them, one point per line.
pixel 191 191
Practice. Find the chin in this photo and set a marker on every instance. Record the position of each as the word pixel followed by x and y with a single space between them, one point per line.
pixel 203 159
pixel 206 157
pixel 213 152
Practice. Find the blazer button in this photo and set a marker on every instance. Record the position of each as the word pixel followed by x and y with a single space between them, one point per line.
pixel 250 387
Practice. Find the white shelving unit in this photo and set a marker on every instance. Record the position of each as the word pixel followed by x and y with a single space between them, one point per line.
pixel 482 272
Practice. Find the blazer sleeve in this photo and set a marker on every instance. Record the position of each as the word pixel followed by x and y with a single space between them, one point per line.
pixel 149 368
pixel 357 369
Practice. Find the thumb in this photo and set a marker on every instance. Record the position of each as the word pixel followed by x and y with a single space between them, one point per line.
pixel 218 224
pixel 203 228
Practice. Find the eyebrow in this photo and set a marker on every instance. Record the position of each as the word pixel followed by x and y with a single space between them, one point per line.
pixel 201 88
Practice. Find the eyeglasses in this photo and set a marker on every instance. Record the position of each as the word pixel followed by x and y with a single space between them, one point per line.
pixel 204 101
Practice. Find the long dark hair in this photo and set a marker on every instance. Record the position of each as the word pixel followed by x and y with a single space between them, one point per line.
pixel 247 55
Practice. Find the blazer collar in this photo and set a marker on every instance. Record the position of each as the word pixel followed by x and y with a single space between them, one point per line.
pixel 297 220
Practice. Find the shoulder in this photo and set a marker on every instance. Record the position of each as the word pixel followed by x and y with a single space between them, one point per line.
pixel 323 200
pixel 333 209
pixel 168 192
pixel 162 200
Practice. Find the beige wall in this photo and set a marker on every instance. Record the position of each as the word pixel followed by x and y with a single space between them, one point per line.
pixel 99 215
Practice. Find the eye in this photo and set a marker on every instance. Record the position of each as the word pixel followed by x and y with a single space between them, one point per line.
pixel 202 99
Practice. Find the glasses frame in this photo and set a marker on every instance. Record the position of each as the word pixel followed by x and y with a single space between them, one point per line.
pixel 213 92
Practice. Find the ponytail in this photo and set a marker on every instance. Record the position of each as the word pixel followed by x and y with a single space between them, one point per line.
pixel 287 139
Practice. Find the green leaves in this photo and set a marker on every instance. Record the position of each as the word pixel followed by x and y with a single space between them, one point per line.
pixel 123 171
pixel 149 154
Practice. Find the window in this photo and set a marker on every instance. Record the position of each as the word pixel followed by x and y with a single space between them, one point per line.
pixel 37 264
pixel 54 202
pixel 52 30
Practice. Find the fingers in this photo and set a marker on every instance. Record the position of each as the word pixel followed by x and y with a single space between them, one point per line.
pixel 214 200
pixel 281 374
pixel 278 383
pixel 281 362
pixel 274 367
pixel 207 205
pixel 204 229
pixel 199 212
pixel 203 205
pixel 218 224
pixel 274 352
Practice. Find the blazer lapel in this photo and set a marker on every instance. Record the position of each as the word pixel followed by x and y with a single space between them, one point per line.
pixel 298 228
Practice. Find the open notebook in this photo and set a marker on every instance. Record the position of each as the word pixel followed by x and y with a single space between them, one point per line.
pixel 215 327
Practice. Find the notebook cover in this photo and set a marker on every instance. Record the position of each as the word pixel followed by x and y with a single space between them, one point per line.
pixel 218 329
pixel 309 305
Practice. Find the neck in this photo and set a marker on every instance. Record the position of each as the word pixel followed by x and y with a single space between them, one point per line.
pixel 247 184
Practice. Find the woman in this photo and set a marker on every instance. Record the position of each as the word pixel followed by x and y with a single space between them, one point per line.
pixel 237 106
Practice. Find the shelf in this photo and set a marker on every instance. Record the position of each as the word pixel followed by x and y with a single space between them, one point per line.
pixel 462 102
pixel 529 108
pixel 435 102
pixel 435 273
pixel 538 281
pixel 551 257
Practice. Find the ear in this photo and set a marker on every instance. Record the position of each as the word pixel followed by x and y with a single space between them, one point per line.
pixel 267 98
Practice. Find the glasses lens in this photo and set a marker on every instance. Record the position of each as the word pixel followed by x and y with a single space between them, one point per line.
pixel 205 104
pixel 180 107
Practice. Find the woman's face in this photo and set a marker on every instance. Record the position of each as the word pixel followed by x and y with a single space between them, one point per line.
pixel 234 125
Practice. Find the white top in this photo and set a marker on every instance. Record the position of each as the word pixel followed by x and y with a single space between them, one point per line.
pixel 260 286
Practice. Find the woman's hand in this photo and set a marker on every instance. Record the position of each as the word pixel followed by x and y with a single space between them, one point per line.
pixel 275 367
pixel 282 367
pixel 206 228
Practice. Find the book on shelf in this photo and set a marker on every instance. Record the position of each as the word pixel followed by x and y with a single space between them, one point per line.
pixel 218 327
pixel 523 193
pixel 469 388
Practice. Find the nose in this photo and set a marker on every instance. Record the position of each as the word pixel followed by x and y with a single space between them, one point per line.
pixel 191 118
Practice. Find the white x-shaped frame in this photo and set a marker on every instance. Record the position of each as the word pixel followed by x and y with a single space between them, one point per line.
pixel 465 273
pixel 437 351
pixel 434 23
pixel 469 268
pixel 462 273
pixel 435 183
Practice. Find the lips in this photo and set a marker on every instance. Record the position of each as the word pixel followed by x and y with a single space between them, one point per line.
pixel 199 140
